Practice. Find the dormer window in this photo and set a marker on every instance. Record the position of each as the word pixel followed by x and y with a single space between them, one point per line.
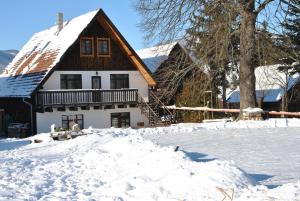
pixel 103 47
pixel 87 47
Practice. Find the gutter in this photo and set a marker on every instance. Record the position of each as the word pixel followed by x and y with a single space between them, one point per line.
pixel 31 115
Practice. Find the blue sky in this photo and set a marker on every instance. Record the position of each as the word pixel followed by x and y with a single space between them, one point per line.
pixel 20 19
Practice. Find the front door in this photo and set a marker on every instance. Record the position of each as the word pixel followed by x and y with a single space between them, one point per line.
pixel 96 84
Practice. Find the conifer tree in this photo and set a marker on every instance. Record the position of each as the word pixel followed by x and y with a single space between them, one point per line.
pixel 291 42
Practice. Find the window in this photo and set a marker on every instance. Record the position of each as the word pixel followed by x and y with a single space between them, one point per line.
pixel 103 47
pixel 119 81
pixel 96 82
pixel 70 81
pixel 120 120
pixel 87 47
pixel 69 120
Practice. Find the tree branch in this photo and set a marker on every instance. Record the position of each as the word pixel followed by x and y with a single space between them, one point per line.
pixel 262 6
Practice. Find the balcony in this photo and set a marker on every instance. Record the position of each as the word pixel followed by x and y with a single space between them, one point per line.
pixel 58 98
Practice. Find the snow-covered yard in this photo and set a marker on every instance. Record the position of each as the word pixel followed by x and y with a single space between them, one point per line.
pixel 270 155
pixel 119 164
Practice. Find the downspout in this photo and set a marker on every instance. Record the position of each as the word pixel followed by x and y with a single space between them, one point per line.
pixel 31 116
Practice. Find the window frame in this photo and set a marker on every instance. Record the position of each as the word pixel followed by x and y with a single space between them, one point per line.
pixel 81 42
pixel 100 83
pixel 115 79
pixel 61 81
pixel 68 120
pixel 120 117
pixel 109 47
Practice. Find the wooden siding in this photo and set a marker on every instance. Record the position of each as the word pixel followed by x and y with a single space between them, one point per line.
pixel 117 61
pixel 116 35
pixel 294 103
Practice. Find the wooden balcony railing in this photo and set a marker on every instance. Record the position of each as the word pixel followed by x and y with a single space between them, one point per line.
pixel 86 97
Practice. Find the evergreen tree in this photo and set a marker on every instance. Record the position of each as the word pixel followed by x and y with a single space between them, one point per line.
pixel 292 36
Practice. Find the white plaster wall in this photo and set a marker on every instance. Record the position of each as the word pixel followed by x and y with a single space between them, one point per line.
pixel 94 118
pixel 136 80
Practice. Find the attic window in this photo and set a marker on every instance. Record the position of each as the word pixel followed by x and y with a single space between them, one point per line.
pixel 86 47
pixel 103 47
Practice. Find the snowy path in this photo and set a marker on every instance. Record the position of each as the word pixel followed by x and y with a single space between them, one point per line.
pixel 272 156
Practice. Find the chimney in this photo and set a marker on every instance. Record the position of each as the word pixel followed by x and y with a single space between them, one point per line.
pixel 59 21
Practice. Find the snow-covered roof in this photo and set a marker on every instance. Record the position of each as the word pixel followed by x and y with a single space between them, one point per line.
pixel 39 55
pixel 45 50
pixel 270 84
pixel 270 95
pixel 153 57
pixel 269 77
pixel 48 46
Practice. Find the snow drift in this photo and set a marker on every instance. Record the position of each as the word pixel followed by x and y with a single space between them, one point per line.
pixel 119 165
pixel 111 167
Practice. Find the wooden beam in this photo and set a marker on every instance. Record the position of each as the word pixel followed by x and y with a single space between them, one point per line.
pixel 206 109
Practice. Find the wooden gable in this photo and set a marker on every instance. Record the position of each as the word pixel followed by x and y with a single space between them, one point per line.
pixel 122 57
pixel 117 60
pixel 118 38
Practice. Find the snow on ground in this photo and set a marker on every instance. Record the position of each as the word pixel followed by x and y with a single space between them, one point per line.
pixel 119 164
pixel 271 156
pixel 111 165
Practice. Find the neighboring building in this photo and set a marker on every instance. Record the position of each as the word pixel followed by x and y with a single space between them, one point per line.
pixel 182 79
pixel 173 66
pixel 81 70
pixel 271 85
pixel 156 57
pixel 153 57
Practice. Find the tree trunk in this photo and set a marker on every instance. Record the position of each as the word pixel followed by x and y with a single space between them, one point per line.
pixel 284 101
pixel 247 56
pixel 224 86
pixel 214 94
pixel 224 104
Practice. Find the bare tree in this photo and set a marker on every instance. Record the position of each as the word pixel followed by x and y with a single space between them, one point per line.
pixel 170 19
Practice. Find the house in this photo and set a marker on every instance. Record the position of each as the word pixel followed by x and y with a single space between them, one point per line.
pixel 173 66
pixel 181 77
pixel 81 70
pixel 271 87
pixel 155 57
